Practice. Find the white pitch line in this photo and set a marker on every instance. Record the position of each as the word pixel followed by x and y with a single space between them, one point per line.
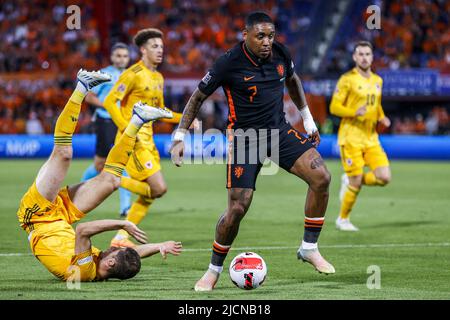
pixel 340 246
pixel 336 246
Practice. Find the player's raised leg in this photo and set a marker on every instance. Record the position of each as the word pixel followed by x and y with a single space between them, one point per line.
pixel 311 168
pixel 53 172
pixel 239 200
pixel 88 195
pixel 152 188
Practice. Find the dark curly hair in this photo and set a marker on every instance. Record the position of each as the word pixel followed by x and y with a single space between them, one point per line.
pixel 143 35
pixel 128 263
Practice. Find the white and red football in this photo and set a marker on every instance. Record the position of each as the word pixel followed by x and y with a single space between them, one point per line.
pixel 248 270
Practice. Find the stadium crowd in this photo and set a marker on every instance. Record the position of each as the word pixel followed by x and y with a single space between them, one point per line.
pixel 413 34
pixel 38 51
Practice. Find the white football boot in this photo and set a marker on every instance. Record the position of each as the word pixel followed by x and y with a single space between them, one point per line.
pixel 208 281
pixel 345 225
pixel 148 113
pixel 314 257
pixel 91 79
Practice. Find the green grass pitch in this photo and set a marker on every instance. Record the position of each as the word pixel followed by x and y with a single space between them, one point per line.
pixel 404 230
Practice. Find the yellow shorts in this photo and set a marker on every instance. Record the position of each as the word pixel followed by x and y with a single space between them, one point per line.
pixel 355 158
pixel 144 161
pixel 51 236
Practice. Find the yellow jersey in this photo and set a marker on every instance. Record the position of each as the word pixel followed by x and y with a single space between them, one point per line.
pixel 352 92
pixel 53 244
pixel 52 238
pixel 137 83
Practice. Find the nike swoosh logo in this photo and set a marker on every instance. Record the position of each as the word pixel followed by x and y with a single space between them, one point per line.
pixel 248 78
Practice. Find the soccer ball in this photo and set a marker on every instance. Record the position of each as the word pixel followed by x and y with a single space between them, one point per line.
pixel 248 270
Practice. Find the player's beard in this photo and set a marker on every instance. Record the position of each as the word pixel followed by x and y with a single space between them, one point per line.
pixel 365 69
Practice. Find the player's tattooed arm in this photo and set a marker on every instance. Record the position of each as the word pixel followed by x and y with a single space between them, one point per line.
pixel 192 108
pixel 296 92
pixel 189 114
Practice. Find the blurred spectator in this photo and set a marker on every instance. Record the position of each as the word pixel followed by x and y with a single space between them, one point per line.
pixel 7 124
pixel 419 126
pixel 414 34
pixel 39 56
pixel 34 125
pixel 432 124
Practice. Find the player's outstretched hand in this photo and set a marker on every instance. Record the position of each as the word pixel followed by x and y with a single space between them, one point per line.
pixel 135 232
pixel 315 138
pixel 171 247
pixel 176 152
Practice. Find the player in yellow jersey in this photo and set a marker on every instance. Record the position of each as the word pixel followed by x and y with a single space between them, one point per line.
pixel 47 212
pixel 142 82
pixel 357 100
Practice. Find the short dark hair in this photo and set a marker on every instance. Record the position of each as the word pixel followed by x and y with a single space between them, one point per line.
pixel 118 45
pixel 257 17
pixel 128 264
pixel 143 35
pixel 362 44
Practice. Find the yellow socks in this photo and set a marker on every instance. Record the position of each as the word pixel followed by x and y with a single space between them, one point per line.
pixel 348 202
pixel 136 186
pixel 68 119
pixel 119 154
pixel 136 214
pixel 369 179
pixel 139 210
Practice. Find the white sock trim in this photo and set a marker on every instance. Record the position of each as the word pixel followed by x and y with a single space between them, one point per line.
pixel 217 269
pixel 308 245
pixel 80 87
pixel 315 219
pixel 221 245
pixel 137 121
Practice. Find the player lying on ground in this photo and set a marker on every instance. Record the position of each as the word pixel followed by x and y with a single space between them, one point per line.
pixel 46 211
pixel 253 75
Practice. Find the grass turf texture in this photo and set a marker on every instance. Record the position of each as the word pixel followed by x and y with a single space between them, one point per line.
pixel 413 209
